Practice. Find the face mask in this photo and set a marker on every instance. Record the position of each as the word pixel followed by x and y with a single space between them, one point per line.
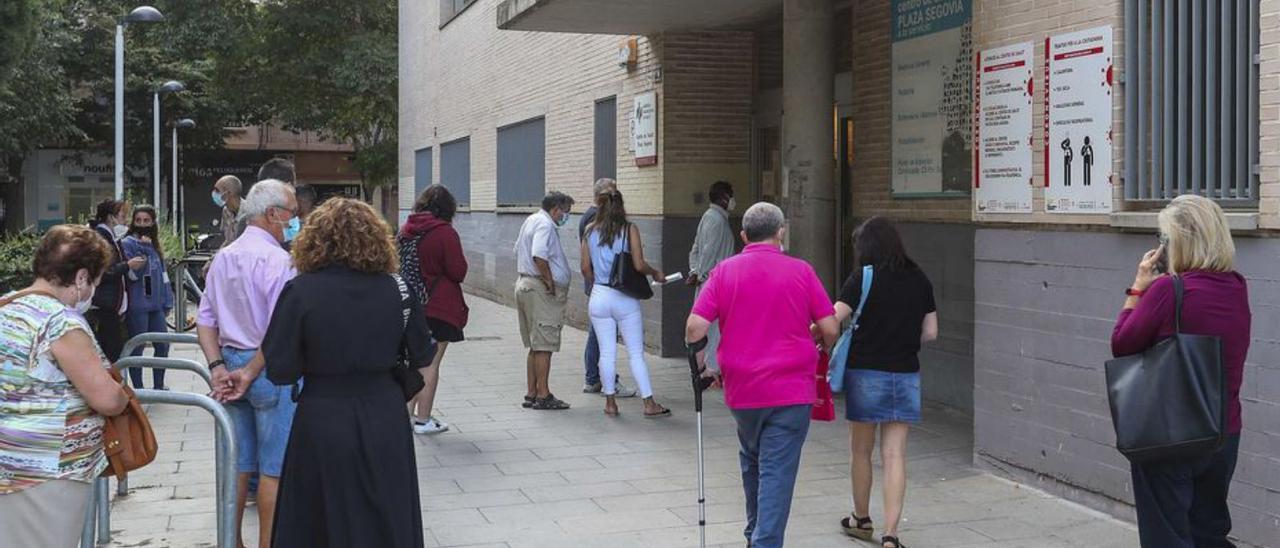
pixel 291 230
pixel 218 200
pixel 733 204
pixel 83 306
pixel 120 231
pixel 564 219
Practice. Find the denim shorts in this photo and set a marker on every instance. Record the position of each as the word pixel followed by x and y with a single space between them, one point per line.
pixel 261 419
pixel 881 396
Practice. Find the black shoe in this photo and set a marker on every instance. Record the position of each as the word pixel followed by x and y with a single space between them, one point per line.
pixel 550 403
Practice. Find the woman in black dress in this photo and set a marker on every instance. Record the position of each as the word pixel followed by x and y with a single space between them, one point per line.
pixel 349 477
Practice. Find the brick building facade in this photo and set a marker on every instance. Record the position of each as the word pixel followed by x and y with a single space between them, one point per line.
pixel 1026 301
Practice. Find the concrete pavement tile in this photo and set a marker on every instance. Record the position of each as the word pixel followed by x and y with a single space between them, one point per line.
pixel 579 491
pixel 523 481
pixel 577 464
pixel 458 472
pixel 617 522
pixel 473 500
pixel 493 457
pixel 494 534
pixel 1003 529
pixel 443 519
pixel 522 443
pixel 430 487
pixel 195 522
pixel 532 512
pixel 582 450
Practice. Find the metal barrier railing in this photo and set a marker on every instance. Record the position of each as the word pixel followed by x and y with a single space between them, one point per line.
pixel 153 338
pixel 225 470
pixel 180 364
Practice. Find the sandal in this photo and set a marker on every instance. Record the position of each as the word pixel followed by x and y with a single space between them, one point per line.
pixel 663 413
pixel 893 541
pixel 550 403
pixel 528 402
pixel 856 527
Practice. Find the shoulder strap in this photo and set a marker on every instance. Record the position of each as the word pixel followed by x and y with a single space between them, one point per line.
pixel 406 303
pixel 1177 303
pixel 868 272
pixel 10 299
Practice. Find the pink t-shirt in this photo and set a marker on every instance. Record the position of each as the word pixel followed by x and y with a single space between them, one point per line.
pixel 765 302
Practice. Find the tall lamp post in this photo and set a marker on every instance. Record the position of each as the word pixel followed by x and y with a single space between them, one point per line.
pixel 172 86
pixel 185 123
pixel 143 14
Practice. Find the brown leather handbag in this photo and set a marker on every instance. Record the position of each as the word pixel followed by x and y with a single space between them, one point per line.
pixel 127 438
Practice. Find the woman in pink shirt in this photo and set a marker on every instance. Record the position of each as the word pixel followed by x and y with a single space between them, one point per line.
pixel 768 362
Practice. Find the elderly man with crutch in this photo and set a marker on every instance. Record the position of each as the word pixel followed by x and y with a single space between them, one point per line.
pixel 768 362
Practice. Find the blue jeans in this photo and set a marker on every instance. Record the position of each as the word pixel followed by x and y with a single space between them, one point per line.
pixel 261 419
pixel 769 441
pixel 140 322
pixel 591 357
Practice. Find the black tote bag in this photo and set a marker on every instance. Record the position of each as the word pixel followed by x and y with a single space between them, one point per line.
pixel 1169 401
pixel 624 277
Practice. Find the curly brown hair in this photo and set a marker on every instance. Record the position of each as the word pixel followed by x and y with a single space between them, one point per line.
pixel 66 249
pixel 345 232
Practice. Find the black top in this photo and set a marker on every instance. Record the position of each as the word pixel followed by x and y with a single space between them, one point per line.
pixel 110 293
pixel 888 335
pixel 340 322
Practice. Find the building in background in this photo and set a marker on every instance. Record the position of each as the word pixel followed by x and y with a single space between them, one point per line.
pixel 61 185
pixel 1027 211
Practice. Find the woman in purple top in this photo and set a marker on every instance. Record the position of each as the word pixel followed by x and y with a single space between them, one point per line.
pixel 1183 503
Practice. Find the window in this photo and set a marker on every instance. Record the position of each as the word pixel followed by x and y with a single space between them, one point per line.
pixel 1192 100
pixel 451 8
pixel 522 170
pixel 606 138
pixel 455 169
pixel 421 171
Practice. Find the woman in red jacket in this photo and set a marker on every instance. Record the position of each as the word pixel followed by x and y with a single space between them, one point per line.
pixel 443 268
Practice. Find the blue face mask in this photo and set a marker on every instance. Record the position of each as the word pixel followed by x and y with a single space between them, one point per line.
pixel 292 229
pixel 218 200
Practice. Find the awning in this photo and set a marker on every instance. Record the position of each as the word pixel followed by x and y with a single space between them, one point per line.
pixel 642 17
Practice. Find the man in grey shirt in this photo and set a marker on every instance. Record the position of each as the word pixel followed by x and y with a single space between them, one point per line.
pixel 712 244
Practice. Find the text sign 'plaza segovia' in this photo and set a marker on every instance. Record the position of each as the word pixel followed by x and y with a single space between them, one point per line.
pixel 640 273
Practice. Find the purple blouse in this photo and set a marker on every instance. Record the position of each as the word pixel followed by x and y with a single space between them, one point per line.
pixel 1213 303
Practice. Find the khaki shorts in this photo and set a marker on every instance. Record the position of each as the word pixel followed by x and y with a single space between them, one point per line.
pixel 541 315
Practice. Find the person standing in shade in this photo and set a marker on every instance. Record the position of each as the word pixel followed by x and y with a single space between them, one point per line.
pixel 241 290
pixel 1182 502
pixel 308 199
pixel 542 293
pixel 283 170
pixel 442 269
pixel 768 361
pixel 226 195
pixel 350 477
pixel 712 244
pixel 111 299
pixel 612 311
pixel 150 298
pixel 882 375
pixel 591 355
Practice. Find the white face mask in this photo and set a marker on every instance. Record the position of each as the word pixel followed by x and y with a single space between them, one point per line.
pixel 733 204
pixel 83 306
pixel 120 231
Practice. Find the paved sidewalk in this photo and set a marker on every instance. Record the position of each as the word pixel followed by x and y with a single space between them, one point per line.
pixel 509 477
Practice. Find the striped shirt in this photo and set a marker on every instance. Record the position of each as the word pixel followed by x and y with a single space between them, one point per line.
pixel 47 430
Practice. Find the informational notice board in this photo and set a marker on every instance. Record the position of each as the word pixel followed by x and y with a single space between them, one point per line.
pixel 1002 159
pixel 644 129
pixel 1078 113
pixel 932 97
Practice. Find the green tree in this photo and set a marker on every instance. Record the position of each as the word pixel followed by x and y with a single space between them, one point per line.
pixel 328 66
pixel 17 30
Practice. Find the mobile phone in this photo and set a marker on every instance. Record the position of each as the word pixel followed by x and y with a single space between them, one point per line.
pixel 1162 261
pixel 146 284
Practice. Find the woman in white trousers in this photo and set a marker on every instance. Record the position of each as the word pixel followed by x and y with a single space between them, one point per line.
pixel 608 237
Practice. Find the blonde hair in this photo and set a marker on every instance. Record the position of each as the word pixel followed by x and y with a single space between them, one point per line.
pixel 1198 235
pixel 345 232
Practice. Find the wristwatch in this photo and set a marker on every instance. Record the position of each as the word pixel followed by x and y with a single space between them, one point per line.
pixel 1134 292
pixel 216 363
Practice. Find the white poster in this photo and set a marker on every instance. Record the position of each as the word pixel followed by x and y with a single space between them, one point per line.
pixel 1002 161
pixel 932 98
pixel 644 129
pixel 1078 107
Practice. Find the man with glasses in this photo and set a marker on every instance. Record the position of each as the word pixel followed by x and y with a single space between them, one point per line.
pixel 241 289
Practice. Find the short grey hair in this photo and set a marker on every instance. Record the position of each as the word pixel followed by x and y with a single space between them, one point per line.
pixel 762 221
pixel 232 183
pixel 263 196
pixel 602 185
pixel 556 199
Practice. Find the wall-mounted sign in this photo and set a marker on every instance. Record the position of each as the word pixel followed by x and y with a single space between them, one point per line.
pixel 644 129
pixel 932 97
pixel 1002 156
pixel 1077 104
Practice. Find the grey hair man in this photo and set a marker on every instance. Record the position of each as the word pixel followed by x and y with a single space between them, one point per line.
pixel 244 281
pixel 226 195
pixel 712 244
pixel 591 354
pixel 542 293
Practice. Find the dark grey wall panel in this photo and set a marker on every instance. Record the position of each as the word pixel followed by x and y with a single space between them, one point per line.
pixel 606 138
pixel 455 169
pixel 421 170
pixel 522 161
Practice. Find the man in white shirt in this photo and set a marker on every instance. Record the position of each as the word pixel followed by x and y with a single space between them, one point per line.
pixel 542 292
pixel 712 244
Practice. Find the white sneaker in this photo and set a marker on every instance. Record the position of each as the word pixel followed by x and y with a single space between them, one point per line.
pixel 432 426
pixel 622 391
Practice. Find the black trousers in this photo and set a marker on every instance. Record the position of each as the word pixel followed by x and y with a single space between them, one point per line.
pixel 108 329
pixel 1183 504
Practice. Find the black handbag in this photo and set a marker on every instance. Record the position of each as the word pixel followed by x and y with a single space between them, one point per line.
pixel 624 277
pixel 1169 401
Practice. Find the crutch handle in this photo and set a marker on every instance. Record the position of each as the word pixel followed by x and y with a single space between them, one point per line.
pixel 699 382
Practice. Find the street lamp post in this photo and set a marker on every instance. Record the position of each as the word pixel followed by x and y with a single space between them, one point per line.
pixel 185 123
pixel 143 14
pixel 172 86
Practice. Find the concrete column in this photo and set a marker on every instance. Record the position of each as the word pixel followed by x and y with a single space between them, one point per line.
pixel 809 196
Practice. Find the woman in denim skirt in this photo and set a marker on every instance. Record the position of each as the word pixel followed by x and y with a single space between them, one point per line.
pixel 882 379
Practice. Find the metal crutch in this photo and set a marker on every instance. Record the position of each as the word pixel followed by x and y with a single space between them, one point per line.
pixel 700 384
